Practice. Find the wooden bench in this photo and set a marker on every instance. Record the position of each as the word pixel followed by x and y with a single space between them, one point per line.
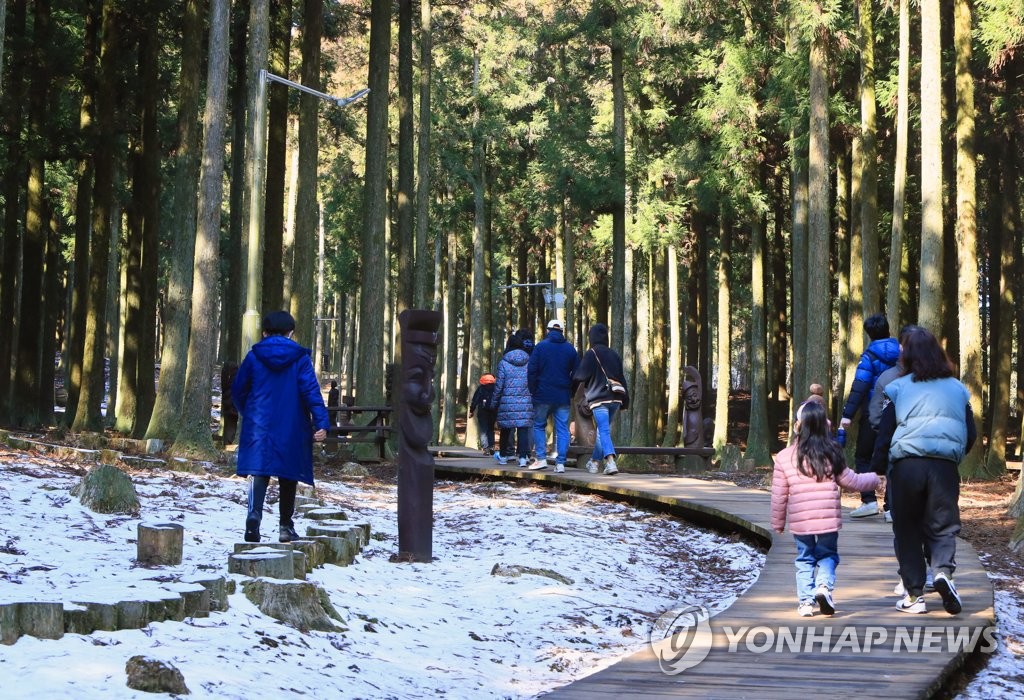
pixel 348 426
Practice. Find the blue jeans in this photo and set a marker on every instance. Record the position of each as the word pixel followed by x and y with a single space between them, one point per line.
pixel 541 411
pixel 604 414
pixel 821 551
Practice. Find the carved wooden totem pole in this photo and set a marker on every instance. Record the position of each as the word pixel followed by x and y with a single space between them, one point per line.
pixel 415 429
pixel 693 421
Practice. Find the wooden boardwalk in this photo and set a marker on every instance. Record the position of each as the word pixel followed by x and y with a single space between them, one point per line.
pixel 868 649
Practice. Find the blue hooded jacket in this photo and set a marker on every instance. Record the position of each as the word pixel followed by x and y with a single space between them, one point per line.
pixel 515 409
pixel 879 356
pixel 275 391
pixel 550 370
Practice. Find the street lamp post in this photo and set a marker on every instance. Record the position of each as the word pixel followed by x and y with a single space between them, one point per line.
pixel 254 280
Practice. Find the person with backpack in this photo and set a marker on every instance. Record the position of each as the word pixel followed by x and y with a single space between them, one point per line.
pixel 882 353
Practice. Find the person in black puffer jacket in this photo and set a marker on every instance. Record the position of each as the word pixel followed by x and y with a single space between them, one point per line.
pixel 599 370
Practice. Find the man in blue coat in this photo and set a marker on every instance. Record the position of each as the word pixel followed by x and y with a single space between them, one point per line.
pixel 276 391
pixel 549 375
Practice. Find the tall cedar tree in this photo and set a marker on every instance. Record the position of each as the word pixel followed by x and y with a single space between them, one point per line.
pixel 182 207
pixel 194 434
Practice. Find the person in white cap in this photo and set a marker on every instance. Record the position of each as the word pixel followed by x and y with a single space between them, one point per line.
pixel 552 364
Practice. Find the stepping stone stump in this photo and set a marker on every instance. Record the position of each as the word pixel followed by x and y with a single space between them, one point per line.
pixel 268 563
pixel 356 533
pixel 298 556
pixel 301 501
pixel 326 514
pixel 301 604
pixel 160 544
pixel 337 550
pixel 42 620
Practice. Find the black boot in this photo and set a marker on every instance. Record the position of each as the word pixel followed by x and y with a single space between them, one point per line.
pixel 252 530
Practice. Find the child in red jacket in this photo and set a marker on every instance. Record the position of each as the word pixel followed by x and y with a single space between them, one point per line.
pixel 805 488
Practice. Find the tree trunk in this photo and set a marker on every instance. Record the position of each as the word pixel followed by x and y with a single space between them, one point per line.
pixel 844 262
pixel 27 386
pixel 930 289
pixel 869 162
pixel 759 434
pixel 893 295
pixel 798 189
pixel 618 195
pixel 675 365
pixel 421 291
pixel 819 297
pixel 723 360
pixel 856 307
pixel 13 180
pixel 640 394
pixel 406 161
pixel 451 339
pixel 370 368
pixel 477 318
pixel 274 260
pixel 307 209
pixel 233 285
pixel 1008 249
pixel 89 415
pixel 967 247
pixel 195 435
pixel 182 207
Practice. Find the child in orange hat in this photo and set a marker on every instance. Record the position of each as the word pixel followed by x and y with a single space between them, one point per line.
pixel 483 406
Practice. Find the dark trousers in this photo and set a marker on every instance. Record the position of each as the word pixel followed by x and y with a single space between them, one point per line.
pixel 925 517
pixel 485 424
pixel 862 453
pixel 258 494
pixel 522 438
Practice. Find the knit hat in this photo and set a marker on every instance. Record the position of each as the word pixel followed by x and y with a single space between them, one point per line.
pixel 487 379
pixel 278 323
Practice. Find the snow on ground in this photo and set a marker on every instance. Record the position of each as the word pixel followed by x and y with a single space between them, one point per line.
pixel 444 629
pixel 1002 676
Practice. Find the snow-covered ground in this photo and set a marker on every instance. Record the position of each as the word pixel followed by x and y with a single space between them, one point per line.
pixel 444 629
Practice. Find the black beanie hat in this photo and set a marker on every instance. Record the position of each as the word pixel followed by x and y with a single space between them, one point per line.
pixel 278 323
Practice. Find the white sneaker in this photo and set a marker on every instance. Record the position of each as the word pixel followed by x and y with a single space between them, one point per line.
pixel 865 510
pixel 823 596
pixel 522 462
pixel 888 517
pixel 559 469
pixel 592 467
pixel 899 589
pixel 805 609
pixel 950 598
pixel 908 604
pixel 609 466
pixel 537 464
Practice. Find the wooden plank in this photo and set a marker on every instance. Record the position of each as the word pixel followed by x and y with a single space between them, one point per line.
pixel 864 600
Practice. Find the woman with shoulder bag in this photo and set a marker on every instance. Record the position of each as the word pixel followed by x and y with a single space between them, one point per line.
pixel 604 388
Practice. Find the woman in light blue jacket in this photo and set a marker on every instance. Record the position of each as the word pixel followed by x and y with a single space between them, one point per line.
pixel 922 436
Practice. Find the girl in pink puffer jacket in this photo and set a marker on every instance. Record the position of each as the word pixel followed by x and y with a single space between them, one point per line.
pixel 805 488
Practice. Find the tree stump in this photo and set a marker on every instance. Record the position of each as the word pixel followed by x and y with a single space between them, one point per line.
pixel 218 587
pixel 160 544
pixel 42 620
pixel 269 564
pixel 337 550
pixel 301 501
pixel 305 490
pixel 77 619
pixel 132 614
pixel 99 616
pixel 313 550
pixel 325 514
pixel 352 533
pixel 301 604
pixel 107 489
